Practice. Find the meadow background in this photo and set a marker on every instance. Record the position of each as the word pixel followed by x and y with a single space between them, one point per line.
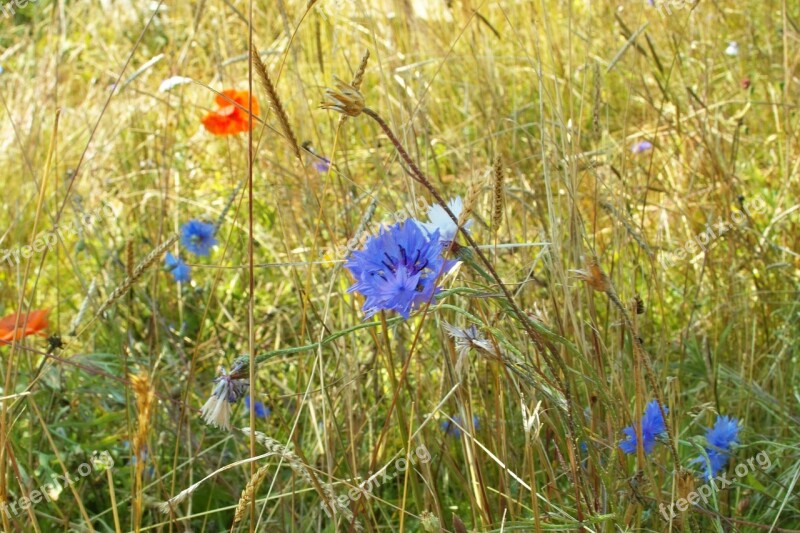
pixel 555 97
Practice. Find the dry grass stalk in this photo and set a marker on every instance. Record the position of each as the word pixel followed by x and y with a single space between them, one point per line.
pixel 274 448
pixel 82 310
pixel 598 102
pixel 228 205
pixel 300 468
pixel 635 235
pixel 599 281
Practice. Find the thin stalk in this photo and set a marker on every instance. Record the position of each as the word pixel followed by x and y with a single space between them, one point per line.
pixel 251 270
pixel 110 478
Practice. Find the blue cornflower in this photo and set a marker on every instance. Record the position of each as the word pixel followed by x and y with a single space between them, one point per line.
pixel 262 411
pixel 453 430
pixel 180 270
pixel 720 438
pixel 198 237
pixel 652 426
pixel 397 269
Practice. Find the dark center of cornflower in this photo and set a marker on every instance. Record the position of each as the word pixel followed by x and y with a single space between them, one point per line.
pixel 393 263
pixel 389 263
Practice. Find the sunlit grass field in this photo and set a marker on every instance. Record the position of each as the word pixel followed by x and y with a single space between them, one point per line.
pixel 627 258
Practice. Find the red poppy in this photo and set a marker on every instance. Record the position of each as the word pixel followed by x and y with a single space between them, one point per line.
pixel 230 119
pixel 36 324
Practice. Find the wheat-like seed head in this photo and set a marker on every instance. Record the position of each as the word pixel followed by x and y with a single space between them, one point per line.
pixel 471 199
pixel 498 178
pixel 249 492
pixel 275 101
pixel 140 269
pixel 362 68
pixel 145 396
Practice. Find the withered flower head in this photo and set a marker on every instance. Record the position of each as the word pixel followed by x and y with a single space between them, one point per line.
pixel 228 390
pixel 345 99
pixel 594 277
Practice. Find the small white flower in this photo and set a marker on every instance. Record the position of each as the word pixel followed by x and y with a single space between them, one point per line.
pixel 732 49
pixel 217 412
pixel 439 219
pixel 170 83
pixel 532 420
pixel 468 338
pixel 464 340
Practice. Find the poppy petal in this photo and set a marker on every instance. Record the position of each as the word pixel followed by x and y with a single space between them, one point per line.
pixel 36 324
pixel 218 124
pixel 231 119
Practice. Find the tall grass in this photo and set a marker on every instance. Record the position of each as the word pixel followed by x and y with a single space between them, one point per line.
pixel 527 110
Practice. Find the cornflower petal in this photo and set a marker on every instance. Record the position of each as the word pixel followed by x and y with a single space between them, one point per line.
pixel 198 237
pixel 652 425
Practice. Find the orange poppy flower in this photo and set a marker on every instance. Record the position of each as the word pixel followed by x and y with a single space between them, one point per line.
pixel 230 119
pixel 36 324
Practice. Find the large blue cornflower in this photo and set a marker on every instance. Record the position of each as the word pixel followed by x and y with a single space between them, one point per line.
pixel 652 426
pixel 180 270
pixel 198 237
pixel 720 438
pixel 397 269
